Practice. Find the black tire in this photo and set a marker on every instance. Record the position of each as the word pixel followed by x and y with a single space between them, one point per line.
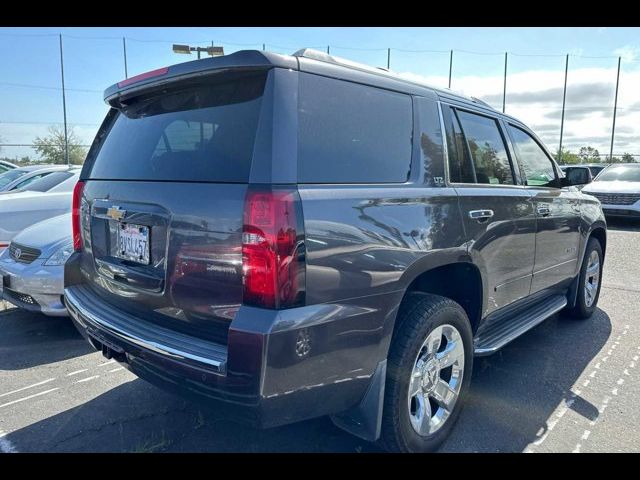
pixel 581 310
pixel 419 315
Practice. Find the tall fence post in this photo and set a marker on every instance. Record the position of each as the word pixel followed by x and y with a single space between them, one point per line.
pixel 564 100
pixel 615 108
pixel 328 50
pixel 388 58
pixel 64 105
pixel 504 87
pixel 264 47
pixel 450 67
pixel 124 52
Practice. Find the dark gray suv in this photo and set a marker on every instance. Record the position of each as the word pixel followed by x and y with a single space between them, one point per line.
pixel 296 236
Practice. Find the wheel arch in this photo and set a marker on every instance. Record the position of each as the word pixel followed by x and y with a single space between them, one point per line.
pixel 599 232
pixel 460 281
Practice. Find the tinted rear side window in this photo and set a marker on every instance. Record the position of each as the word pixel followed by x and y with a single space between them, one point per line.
pixel 48 182
pixel 490 159
pixel 352 133
pixel 460 166
pixel 195 133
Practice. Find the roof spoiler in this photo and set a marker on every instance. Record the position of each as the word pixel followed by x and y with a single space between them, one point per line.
pixel 249 59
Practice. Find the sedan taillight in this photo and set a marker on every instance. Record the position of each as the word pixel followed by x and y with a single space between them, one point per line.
pixel 75 216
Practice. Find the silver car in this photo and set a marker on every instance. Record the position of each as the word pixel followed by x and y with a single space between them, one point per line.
pixel 618 189
pixel 32 268
pixel 21 209
pixel 19 178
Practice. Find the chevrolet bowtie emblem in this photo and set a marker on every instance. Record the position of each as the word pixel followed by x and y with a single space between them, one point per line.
pixel 116 213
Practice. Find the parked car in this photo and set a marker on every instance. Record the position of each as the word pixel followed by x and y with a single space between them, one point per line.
pixel 21 209
pixel 594 168
pixel 43 184
pixel 281 235
pixel 6 166
pixel 618 189
pixel 19 178
pixel 32 268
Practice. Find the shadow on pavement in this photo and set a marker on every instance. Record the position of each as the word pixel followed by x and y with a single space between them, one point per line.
pixel 138 417
pixel 29 339
pixel 515 391
pixel 512 395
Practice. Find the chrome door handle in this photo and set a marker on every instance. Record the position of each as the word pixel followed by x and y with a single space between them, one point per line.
pixel 481 215
pixel 543 209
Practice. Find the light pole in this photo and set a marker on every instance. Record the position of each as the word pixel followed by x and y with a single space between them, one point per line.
pixel 187 49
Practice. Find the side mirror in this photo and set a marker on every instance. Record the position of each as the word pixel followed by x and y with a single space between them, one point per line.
pixel 576 176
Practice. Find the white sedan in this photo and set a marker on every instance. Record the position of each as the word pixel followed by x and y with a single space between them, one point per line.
pixel 25 208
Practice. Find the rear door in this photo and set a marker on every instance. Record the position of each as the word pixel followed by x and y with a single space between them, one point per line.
pixel 162 220
pixel 498 213
pixel 557 211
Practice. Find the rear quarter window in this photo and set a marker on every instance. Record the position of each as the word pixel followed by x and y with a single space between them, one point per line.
pixel 352 133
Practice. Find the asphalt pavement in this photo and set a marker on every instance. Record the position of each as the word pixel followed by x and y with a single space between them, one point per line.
pixel 565 386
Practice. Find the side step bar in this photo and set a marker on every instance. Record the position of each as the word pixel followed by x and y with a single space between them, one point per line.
pixel 497 335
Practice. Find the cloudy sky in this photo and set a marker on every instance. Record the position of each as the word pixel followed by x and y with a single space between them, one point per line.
pixel 30 93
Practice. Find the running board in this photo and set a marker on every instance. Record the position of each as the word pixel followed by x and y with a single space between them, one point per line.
pixel 495 336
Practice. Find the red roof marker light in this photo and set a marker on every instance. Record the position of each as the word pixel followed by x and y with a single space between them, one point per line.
pixel 143 76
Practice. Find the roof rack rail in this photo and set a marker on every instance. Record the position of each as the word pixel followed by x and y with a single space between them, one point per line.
pixel 481 102
pixel 325 57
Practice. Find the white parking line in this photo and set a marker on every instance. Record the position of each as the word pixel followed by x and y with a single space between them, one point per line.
pixel 29 397
pixel 77 372
pixel 116 369
pixel 30 386
pixel 107 363
pixel 88 378
pixel 5 445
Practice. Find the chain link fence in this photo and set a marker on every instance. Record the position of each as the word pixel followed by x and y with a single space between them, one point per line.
pixel 572 101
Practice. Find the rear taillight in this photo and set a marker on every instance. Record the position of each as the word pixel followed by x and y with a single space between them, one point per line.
pixel 75 215
pixel 273 254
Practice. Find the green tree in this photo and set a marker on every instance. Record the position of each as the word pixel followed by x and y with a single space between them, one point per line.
pixel 25 160
pixel 628 158
pixel 51 147
pixel 589 155
pixel 566 157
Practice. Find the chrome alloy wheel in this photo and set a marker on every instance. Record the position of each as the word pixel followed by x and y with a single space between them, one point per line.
pixel 436 379
pixel 591 278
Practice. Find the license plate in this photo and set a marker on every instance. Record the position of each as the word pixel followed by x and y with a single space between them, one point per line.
pixel 133 243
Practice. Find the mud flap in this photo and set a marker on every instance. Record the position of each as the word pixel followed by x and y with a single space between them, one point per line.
pixel 365 419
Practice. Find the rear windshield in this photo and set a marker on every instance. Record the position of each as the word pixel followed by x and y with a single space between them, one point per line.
pixel 66 185
pixel 195 133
